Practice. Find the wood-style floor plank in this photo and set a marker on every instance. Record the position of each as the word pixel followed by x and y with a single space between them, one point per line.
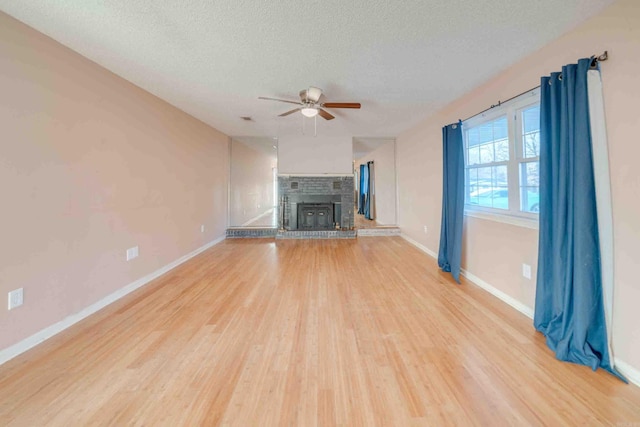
pixel 307 333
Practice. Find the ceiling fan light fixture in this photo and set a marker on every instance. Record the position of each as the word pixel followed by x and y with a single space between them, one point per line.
pixel 313 104
pixel 309 111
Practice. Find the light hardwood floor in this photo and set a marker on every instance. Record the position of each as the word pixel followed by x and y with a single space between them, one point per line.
pixel 307 332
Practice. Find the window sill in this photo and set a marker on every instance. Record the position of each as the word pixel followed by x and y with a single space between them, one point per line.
pixel 507 219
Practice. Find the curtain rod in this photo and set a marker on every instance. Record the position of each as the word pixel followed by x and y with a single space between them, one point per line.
pixel 594 63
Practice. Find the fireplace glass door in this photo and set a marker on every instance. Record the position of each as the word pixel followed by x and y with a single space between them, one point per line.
pixel 315 216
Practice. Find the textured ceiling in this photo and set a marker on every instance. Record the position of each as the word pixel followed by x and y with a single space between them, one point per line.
pixel 403 60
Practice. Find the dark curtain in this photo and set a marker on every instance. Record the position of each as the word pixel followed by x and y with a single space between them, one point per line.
pixel 569 308
pixel 450 251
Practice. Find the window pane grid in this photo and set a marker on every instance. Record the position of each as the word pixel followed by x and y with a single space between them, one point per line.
pixel 529 168
pixel 488 142
pixel 530 186
pixel 488 186
pixel 502 154
pixel 487 160
pixel 531 132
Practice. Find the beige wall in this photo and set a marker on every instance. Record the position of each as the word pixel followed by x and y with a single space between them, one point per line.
pixel 251 183
pixel 91 165
pixel 494 252
pixel 315 155
pixel 385 182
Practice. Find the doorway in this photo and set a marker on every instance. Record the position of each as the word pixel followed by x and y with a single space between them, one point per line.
pixel 374 165
pixel 253 183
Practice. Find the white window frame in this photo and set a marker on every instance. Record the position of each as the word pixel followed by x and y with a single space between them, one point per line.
pixel 512 110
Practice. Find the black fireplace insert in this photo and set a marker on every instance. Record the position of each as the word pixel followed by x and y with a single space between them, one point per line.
pixel 315 216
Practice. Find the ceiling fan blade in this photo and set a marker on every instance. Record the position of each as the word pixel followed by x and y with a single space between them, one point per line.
pixel 289 112
pixel 341 105
pixel 279 100
pixel 325 115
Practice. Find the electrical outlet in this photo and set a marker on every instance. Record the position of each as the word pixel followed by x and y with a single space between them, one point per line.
pixel 526 271
pixel 202 228
pixel 132 253
pixel 426 230
pixel 16 298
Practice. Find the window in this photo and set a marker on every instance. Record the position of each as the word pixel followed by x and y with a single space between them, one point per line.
pixel 502 149
pixel 487 164
pixel 529 161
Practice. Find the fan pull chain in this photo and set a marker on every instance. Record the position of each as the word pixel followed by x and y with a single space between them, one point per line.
pixel 315 125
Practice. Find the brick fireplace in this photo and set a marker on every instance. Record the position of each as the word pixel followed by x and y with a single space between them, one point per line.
pixel 316 203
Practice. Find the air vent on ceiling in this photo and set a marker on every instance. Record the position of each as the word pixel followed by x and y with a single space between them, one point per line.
pixel 294 185
pixel 337 185
pixel 246 118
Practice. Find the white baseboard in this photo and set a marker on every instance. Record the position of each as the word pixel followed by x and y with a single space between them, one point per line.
pixel 376 232
pixel 522 308
pixel 632 374
pixel 420 246
pixel 46 333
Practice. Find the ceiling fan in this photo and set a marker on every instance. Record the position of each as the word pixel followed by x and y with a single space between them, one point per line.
pixel 311 104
